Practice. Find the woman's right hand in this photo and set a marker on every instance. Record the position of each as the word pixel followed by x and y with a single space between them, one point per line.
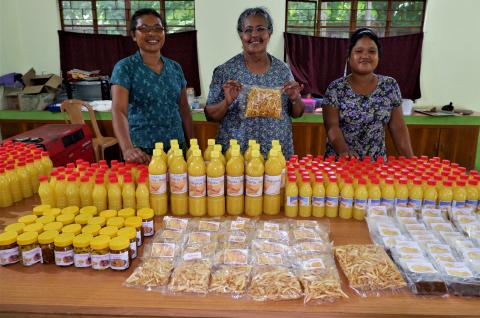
pixel 349 154
pixel 231 89
pixel 136 155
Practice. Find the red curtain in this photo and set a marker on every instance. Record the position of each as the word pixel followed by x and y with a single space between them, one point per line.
pixel 101 52
pixel 317 61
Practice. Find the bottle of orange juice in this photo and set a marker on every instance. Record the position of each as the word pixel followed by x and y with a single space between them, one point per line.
pixel 24 179
pixel 276 145
pixel 235 182
pixel 72 191
pixel 272 183
pixel 401 193
pixel 430 195
pixel 178 184
pixel 254 185
pixel 197 184
pixel 47 196
pixel 5 194
pixel 291 197
pixel 215 185
pixel 472 195
pixel 415 195
pixel 60 192
pixel 374 193
pixel 248 153
pixel 361 200
pixel 37 163
pixel 34 173
pixel 85 191
pixel 193 143
pixel 143 197
pixel 99 195
pixel 47 163
pixel 388 195
pixel 459 194
pixel 14 182
pixel 228 154
pixel 128 192
pixel 331 199
pixel 445 196
pixel 208 151
pixel 346 200
pixel 190 158
pixel 305 197
pixel 114 194
pixel 157 171
pixel 318 197
pixel 159 146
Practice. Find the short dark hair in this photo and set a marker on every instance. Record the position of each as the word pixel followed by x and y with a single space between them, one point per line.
pixel 360 33
pixel 145 11
pixel 257 11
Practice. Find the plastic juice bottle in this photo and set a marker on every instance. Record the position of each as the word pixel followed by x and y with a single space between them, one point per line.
pixel 228 154
pixel 291 197
pixel 208 151
pixel 37 163
pixel 99 195
pixel 34 173
pixel 459 195
pixel 401 193
pixel 283 162
pixel 472 195
pixel 305 198
pixel 193 148
pixel 157 171
pixel 47 163
pixel 60 192
pixel 173 146
pixel 142 195
pixel 14 182
pixel 361 200
pixel 415 195
pixel 430 195
pixel 178 184
pixel 128 192
pixel 114 194
pixel 318 197
pixel 331 199
pixel 215 185
pixel 218 148
pixel 72 191
pixel 24 179
pixel 171 153
pixel 193 143
pixel 346 200
pixel 6 198
pixel 85 191
pixel 374 193
pixel 445 196
pixel 388 195
pixel 197 185
pixel 254 185
pixel 272 184
pixel 248 153
pixel 235 182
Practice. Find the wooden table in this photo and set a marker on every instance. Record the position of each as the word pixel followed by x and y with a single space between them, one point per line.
pixel 47 290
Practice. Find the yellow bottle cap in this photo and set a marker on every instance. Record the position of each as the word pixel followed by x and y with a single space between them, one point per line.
pixel 91 229
pixel 129 232
pixel 108 214
pixel 83 219
pixel 66 219
pixel 27 219
pixel 47 237
pixel 211 142
pixel 100 220
pixel 110 231
pixel 92 210
pixel 75 229
pixel 27 238
pixel 127 212
pixel 157 152
pixel 100 242
pixel 64 239
pixel 39 209
pixel 117 221
pixel 55 226
pixel 133 221
pixel 71 209
pixel 233 142
pixel 145 213
pixel 119 243
pixel 173 142
pixel 8 238
pixel 53 212
pixel 159 145
pixel 82 240
pixel 15 227
pixel 34 227
pixel 275 142
pixel 193 141
pixel 218 148
pixel 251 142
pixel 45 219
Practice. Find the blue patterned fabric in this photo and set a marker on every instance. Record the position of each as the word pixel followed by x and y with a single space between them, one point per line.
pixel 263 129
pixel 363 118
pixel 153 100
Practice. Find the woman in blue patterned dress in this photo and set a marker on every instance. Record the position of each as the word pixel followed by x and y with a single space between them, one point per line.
pixel 358 107
pixel 149 98
pixel 253 67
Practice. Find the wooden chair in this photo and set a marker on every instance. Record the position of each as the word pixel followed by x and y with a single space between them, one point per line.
pixel 73 107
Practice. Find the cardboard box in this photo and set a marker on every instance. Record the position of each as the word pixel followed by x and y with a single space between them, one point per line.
pixel 9 97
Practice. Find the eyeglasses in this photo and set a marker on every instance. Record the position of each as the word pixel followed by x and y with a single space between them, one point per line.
pixel 260 29
pixel 153 28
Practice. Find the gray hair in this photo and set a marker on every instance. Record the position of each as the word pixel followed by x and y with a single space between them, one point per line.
pixel 257 11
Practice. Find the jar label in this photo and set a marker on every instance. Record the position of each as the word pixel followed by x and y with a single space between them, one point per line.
pixel 158 183
pixel 272 184
pixel 197 186
pixel 82 260
pixel 9 256
pixel 100 261
pixel 32 256
pixel 215 186
pixel 254 186
pixel 133 248
pixel 148 229
pixel 178 183
pixel 234 186
pixel 119 261
pixel 64 258
pixel 139 237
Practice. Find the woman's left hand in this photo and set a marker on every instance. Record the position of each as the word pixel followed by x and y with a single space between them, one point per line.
pixel 293 89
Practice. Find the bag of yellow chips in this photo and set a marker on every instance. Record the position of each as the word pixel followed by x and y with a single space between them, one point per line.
pixel 264 102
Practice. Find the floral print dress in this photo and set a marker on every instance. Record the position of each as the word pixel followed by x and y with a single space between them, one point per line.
pixel 363 118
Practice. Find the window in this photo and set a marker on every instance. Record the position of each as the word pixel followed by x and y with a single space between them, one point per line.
pixel 113 16
pixel 339 18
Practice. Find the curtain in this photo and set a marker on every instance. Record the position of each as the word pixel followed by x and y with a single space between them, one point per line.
pixel 317 61
pixel 101 52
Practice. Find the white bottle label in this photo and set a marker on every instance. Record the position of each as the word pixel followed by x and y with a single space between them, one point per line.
pixel 197 186
pixel 331 202
pixel 82 260
pixel 133 248
pixel 215 186
pixel 32 257
pixel 158 183
pixel 9 256
pixel 148 229
pixel 139 237
pixel 100 261
pixel 254 186
pixel 119 261
pixel 292 201
pixel 178 183
pixel 304 201
pixel 318 202
pixel 346 203
pixel 64 258
pixel 272 184
pixel 234 186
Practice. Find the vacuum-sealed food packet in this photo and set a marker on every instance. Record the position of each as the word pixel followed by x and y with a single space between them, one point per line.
pixel 274 283
pixel 263 102
pixel 152 274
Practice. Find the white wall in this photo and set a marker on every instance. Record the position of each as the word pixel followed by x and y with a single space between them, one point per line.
pixel 450 59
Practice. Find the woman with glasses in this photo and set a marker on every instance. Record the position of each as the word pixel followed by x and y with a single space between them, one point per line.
pixel 254 67
pixel 149 98
pixel 358 107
